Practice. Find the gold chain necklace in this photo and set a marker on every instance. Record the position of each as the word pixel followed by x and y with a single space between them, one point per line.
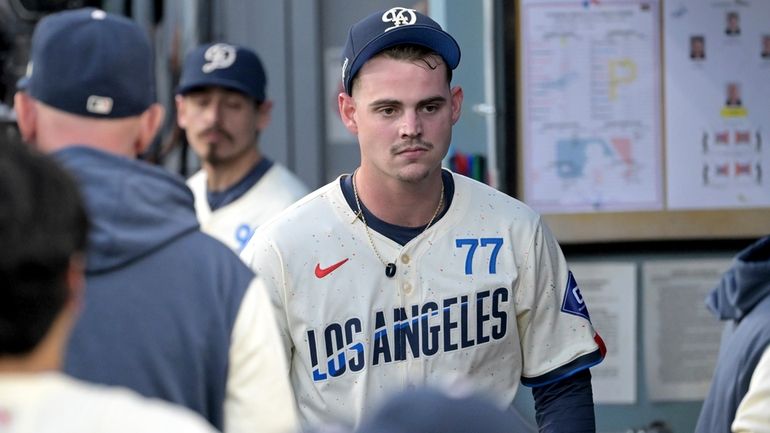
pixel 390 268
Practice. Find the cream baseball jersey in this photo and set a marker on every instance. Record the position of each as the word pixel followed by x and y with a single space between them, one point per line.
pixel 234 223
pixel 51 402
pixel 482 297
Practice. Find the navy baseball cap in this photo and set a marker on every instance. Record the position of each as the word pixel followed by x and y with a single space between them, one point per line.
pixel 224 65
pixel 426 410
pixel 394 26
pixel 91 63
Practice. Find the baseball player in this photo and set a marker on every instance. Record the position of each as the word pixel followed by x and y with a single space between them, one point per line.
pixel 404 274
pixel 222 106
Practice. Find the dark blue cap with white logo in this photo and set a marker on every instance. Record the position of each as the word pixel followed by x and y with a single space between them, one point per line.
pixel 393 27
pixel 223 65
pixel 91 63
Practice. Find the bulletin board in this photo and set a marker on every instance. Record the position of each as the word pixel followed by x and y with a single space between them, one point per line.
pixel 642 119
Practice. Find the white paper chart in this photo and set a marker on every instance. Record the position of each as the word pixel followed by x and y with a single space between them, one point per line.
pixel 717 103
pixel 681 336
pixel 591 103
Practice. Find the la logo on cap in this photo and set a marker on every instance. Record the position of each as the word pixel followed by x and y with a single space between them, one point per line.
pixel 399 16
pixel 219 56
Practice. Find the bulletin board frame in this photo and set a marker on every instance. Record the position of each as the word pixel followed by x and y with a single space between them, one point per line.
pixel 575 227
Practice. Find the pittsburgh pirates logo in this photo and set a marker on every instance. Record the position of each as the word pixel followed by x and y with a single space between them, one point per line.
pixel 399 17
pixel 219 56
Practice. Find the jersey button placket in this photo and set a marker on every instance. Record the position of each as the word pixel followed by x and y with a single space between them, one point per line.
pixel 406 286
pixel 410 291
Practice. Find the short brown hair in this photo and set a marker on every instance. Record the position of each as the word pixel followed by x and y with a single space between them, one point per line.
pixel 411 53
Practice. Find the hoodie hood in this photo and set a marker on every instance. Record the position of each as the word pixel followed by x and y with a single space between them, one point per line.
pixel 134 207
pixel 744 285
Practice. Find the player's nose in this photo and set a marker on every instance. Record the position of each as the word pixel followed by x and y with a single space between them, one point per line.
pixel 214 112
pixel 411 124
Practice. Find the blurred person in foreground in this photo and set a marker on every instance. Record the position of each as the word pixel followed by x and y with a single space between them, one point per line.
pixel 43 230
pixel 742 301
pixel 753 415
pixel 169 312
pixel 429 410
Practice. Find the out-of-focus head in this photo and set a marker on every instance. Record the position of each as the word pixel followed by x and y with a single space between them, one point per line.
pixel 427 410
pixel 222 105
pixel 91 63
pixel 43 225
pixel 224 65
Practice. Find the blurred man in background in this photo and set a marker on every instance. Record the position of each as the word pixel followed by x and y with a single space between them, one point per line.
pixel 223 108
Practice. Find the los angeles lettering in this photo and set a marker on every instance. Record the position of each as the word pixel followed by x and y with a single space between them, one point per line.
pixel 418 330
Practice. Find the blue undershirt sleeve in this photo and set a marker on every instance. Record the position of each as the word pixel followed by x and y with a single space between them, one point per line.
pixel 566 406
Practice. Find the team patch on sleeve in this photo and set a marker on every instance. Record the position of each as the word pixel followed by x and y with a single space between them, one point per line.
pixel 573 302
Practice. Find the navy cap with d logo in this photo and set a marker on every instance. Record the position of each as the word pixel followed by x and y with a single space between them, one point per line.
pixel 223 65
pixel 91 63
pixel 394 26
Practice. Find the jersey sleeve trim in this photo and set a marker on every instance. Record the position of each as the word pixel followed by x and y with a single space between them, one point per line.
pixel 566 370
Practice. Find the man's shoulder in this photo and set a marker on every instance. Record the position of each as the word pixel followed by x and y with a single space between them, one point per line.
pixel 197 180
pixel 482 196
pixel 200 247
pixel 85 407
pixel 200 259
pixel 314 201
pixel 123 407
pixel 287 181
pixel 278 169
pixel 324 206
pixel 757 320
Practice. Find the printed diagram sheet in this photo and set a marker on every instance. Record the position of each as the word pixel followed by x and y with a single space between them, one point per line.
pixel 681 336
pixel 591 99
pixel 717 130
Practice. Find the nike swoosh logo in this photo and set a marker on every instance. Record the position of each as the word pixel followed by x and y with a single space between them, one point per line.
pixel 320 273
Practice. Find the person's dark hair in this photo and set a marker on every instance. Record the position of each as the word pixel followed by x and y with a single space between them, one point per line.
pixel 42 224
pixel 411 53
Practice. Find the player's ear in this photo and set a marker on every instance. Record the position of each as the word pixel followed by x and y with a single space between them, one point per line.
pixel 150 122
pixel 26 116
pixel 347 107
pixel 264 114
pixel 457 103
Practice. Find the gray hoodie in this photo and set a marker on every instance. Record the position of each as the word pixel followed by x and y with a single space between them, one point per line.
pixel 161 297
pixel 742 300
